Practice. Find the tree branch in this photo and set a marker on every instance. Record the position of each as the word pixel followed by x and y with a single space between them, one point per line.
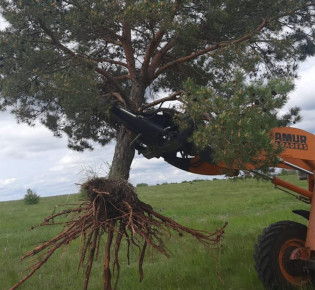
pixel 153 44
pixel 55 41
pixel 172 97
pixel 122 78
pixel 156 60
pixel 109 77
pixel 226 43
pixel 117 96
pixel 210 48
pixel 83 58
pixel 127 46
pixel 108 60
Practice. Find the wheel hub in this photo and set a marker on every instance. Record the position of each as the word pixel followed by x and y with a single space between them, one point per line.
pixel 292 267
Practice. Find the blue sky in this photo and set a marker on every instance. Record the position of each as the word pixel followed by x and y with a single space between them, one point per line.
pixel 30 157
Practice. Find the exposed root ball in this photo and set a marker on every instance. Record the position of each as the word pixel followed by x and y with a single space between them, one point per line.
pixel 116 193
pixel 114 209
pixel 119 189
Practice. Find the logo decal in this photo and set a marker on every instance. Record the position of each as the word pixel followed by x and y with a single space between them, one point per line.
pixel 291 141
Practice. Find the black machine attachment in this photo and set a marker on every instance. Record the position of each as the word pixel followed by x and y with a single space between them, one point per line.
pixel 156 132
pixel 158 135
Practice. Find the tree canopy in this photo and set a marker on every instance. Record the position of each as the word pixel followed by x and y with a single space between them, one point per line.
pixel 64 60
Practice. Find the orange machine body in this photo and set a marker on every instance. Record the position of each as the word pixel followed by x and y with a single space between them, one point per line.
pixel 158 136
pixel 299 147
pixel 299 150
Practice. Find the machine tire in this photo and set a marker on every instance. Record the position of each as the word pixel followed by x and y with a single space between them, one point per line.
pixel 272 252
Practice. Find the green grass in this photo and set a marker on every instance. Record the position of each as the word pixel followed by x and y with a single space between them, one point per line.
pixel 247 205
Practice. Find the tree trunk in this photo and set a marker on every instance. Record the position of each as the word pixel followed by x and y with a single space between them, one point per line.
pixel 124 153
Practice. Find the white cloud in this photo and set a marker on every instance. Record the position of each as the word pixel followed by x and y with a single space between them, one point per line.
pixel 140 163
pixel 304 96
pixel 25 142
pixel 3 23
pixel 7 181
pixel 42 162
pixel 157 171
pixel 69 161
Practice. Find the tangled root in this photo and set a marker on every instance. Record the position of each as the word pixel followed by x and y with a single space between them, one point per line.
pixel 112 208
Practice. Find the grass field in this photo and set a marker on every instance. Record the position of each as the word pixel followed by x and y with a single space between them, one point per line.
pixel 247 205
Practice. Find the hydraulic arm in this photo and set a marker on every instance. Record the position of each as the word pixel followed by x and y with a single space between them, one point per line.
pixel 157 134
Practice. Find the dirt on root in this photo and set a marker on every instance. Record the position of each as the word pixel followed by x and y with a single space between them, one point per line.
pixel 112 212
pixel 116 193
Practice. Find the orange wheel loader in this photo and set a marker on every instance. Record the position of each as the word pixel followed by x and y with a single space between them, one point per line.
pixel 285 251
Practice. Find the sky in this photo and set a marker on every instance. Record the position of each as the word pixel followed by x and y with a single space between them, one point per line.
pixel 31 157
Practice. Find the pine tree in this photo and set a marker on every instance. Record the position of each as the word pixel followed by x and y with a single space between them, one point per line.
pixel 64 60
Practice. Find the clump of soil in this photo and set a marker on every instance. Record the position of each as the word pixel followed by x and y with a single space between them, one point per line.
pixel 112 213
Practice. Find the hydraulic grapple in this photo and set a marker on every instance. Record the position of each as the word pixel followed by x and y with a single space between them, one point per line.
pixel 285 252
